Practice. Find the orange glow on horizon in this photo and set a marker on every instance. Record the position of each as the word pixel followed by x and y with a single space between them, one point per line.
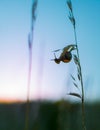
pixel 9 100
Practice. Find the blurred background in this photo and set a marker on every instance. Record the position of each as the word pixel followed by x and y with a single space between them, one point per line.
pixel 50 107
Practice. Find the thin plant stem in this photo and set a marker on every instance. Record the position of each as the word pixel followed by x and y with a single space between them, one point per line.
pixel 28 90
pixel 72 19
pixel 81 80
pixel 30 45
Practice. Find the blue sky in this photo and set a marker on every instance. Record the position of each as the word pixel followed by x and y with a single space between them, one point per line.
pixel 53 30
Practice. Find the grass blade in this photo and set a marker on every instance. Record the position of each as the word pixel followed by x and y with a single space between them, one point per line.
pixel 73 77
pixel 75 94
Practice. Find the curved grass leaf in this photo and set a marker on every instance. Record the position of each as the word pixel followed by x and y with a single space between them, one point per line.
pixel 72 19
pixel 75 94
pixel 69 5
pixel 79 77
pixel 73 77
pixel 75 85
pixel 76 60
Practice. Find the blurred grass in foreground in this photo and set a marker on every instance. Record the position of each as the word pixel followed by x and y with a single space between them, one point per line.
pixel 48 115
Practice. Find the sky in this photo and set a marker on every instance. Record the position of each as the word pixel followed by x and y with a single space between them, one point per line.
pixel 52 31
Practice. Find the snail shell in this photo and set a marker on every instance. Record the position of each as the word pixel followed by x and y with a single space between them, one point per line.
pixel 66 57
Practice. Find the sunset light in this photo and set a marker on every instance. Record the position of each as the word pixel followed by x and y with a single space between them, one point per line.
pixel 51 32
pixel 49 64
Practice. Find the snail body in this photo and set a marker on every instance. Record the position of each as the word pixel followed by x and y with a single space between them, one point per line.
pixel 64 58
pixel 66 55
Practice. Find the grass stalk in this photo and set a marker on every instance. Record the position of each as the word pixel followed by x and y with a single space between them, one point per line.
pixel 28 90
pixel 30 45
pixel 81 80
pixel 72 19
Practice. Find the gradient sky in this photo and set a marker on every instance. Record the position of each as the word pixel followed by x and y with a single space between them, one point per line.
pixel 53 30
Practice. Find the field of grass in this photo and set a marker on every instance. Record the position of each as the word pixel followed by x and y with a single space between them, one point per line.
pixel 49 116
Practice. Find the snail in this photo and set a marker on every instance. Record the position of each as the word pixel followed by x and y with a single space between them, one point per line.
pixel 66 55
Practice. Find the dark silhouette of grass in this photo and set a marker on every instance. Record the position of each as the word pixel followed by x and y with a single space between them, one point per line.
pixel 30 46
pixel 61 115
pixel 78 64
